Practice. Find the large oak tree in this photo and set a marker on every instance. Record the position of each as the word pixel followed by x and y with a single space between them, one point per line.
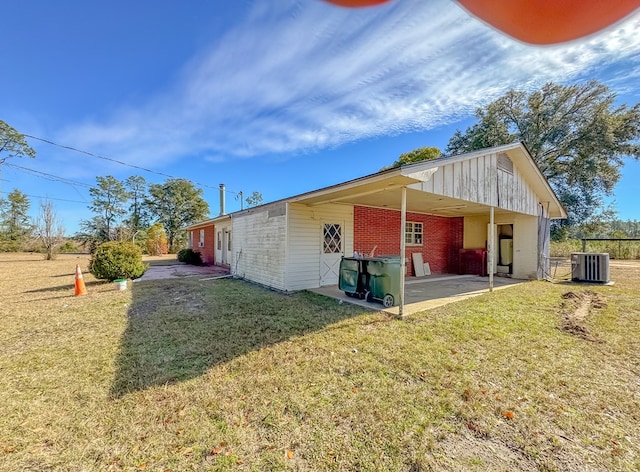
pixel 576 134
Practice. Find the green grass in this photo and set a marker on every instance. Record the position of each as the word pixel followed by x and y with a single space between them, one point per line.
pixel 224 375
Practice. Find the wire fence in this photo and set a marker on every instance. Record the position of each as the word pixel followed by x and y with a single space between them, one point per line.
pixel 617 248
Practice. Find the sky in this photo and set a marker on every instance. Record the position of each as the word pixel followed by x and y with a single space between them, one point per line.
pixel 275 96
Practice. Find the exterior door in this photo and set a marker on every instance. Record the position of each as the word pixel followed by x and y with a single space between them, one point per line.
pixel 226 246
pixel 331 252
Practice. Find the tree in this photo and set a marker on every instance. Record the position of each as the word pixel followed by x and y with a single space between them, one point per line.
pixel 254 199
pixel 12 144
pixel 49 230
pixel 575 135
pixel 137 189
pixel 176 204
pixel 156 242
pixel 109 198
pixel 15 226
pixel 417 155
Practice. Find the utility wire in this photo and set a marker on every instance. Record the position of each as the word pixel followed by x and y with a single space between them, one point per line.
pixel 133 166
pixel 55 178
pixel 49 198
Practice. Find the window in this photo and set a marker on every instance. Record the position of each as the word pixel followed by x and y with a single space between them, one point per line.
pixel 413 233
pixel 219 240
pixel 190 239
pixel 201 238
pixel 229 241
pixel 332 238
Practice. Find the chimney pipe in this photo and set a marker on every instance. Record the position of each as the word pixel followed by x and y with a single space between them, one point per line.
pixel 222 205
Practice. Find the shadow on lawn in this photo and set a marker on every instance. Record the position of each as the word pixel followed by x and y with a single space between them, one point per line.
pixel 178 329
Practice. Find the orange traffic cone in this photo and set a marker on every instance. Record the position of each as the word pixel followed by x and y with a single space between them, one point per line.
pixel 80 288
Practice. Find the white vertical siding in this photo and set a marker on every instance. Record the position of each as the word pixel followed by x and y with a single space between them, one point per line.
pixel 304 242
pixel 259 245
pixel 479 180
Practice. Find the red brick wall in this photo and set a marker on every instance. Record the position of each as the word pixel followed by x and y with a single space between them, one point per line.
pixel 442 237
pixel 208 251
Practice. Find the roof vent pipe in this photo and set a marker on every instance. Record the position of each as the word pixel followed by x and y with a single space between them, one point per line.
pixel 222 206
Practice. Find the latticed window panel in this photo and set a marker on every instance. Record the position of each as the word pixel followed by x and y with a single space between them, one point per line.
pixel 332 237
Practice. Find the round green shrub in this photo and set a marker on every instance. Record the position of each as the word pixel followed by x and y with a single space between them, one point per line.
pixel 117 260
pixel 189 256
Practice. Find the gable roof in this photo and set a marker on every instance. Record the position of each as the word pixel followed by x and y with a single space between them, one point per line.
pixel 383 189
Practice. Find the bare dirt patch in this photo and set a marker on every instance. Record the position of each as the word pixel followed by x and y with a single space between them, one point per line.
pixel 575 308
pixel 481 454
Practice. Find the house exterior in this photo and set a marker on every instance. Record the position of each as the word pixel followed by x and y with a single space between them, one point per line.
pixel 448 205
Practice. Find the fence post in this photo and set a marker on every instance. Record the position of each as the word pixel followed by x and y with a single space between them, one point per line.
pixel 584 245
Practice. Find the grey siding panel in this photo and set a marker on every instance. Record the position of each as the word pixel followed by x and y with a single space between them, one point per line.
pixel 259 247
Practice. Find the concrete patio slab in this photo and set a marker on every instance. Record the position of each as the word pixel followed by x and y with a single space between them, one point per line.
pixel 430 292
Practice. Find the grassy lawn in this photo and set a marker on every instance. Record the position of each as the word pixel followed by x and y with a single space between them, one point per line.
pixel 223 375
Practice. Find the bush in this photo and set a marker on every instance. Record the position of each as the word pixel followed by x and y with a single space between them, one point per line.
pixel 117 260
pixel 189 256
pixel 69 246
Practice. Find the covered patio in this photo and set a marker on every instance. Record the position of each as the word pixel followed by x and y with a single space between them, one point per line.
pixel 498 193
pixel 425 293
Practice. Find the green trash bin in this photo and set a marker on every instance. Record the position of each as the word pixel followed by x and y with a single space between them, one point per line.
pixel 349 275
pixel 384 280
pixel 353 279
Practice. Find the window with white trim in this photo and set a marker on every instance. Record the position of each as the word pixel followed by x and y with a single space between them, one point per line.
pixel 219 240
pixel 201 238
pixel 413 233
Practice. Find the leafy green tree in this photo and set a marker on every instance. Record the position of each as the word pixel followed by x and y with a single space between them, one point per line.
pixel 15 225
pixel 417 155
pixel 92 233
pixel 109 197
pixel 176 203
pixel 12 144
pixel 138 190
pixel 575 134
pixel 254 199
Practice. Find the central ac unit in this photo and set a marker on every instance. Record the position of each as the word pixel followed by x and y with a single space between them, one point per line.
pixel 588 267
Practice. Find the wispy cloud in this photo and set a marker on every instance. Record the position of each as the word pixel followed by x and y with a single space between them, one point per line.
pixel 293 76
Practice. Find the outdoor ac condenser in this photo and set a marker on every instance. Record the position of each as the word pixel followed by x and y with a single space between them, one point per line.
pixel 588 267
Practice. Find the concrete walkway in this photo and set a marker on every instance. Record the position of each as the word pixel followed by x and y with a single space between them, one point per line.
pixel 180 269
pixel 425 293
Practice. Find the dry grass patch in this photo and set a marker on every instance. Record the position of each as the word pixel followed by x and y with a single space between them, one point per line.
pixel 223 375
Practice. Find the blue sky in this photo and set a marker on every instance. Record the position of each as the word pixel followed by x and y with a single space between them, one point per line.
pixel 279 97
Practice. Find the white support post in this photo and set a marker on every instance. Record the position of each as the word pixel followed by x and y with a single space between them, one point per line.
pixel 403 244
pixel 492 245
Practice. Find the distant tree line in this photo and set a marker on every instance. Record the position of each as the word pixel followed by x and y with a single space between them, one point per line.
pixel 19 232
pixel 151 215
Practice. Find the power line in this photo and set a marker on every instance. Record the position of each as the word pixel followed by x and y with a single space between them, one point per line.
pixel 49 198
pixel 126 164
pixel 70 148
pixel 55 178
